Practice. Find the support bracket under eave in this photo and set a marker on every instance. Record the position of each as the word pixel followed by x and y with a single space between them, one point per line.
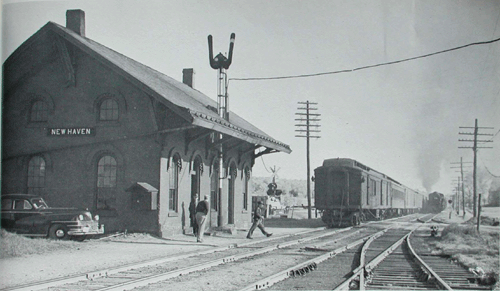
pixel 224 140
pixel 192 139
pixel 265 152
pixel 250 150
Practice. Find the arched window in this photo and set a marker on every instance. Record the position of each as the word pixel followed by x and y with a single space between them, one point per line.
pixel 173 193
pixel 39 111
pixel 196 177
pixel 214 186
pixel 246 179
pixel 108 110
pixel 36 175
pixel 106 182
pixel 233 173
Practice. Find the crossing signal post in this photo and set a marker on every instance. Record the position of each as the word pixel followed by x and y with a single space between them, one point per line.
pixel 307 127
pixel 273 187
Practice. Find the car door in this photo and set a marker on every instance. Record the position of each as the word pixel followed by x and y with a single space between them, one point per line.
pixel 8 220
pixel 23 216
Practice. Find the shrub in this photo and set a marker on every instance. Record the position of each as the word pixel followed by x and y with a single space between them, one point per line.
pixel 14 245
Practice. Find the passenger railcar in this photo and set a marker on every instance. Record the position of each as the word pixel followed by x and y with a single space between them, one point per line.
pixel 348 192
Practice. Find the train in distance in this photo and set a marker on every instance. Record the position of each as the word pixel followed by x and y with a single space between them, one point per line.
pixel 347 193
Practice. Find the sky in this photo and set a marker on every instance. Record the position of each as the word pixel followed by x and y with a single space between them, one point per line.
pixel 401 119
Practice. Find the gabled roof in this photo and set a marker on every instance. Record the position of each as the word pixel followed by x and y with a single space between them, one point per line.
pixel 189 103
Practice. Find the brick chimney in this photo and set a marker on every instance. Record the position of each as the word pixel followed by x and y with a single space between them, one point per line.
pixel 75 20
pixel 188 77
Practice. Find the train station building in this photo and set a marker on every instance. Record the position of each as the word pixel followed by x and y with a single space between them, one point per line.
pixel 85 126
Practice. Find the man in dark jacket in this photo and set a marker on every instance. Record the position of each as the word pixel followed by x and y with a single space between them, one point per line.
pixel 192 214
pixel 258 221
pixel 201 217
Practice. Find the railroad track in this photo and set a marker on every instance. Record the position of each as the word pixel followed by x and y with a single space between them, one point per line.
pixel 136 275
pixel 302 248
pixel 399 267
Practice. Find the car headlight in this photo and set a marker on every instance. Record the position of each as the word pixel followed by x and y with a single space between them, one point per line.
pixel 80 217
pixel 96 217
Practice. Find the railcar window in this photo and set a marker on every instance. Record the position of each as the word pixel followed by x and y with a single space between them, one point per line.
pixel 381 191
pixel 6 204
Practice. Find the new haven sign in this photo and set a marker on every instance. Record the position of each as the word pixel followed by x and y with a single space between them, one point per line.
pixel 71 131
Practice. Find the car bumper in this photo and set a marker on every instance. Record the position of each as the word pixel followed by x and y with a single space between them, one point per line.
pixel 87 229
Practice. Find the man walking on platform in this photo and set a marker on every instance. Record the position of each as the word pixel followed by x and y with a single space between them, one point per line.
pixel 258 221
pixel 201 217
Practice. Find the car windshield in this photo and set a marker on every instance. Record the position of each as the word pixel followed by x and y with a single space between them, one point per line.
pixel 38 203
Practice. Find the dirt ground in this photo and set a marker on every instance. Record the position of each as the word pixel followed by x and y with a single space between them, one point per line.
pixel 94 255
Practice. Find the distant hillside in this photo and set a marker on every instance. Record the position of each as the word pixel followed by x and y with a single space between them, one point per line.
pixel 294 191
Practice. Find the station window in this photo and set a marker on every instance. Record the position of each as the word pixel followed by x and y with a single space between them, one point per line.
pixel 36 175
pixel 173 193
pixel 246 177
pixel 39 111
pixel 106 182
pixel 214 186
pixel 109 110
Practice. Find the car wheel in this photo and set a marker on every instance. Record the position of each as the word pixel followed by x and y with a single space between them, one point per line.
pixel 79 237
pixel 58 231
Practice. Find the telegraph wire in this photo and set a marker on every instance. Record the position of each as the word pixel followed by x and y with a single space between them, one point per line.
pixel 265 167
pixel 488 170
pixel 364 67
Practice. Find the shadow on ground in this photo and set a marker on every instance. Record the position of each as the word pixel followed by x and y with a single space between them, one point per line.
pixel 294 223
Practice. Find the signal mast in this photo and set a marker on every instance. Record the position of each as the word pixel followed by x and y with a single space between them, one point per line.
pixel 221 64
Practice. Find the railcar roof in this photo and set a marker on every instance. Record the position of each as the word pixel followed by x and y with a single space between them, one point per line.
pixel 19 195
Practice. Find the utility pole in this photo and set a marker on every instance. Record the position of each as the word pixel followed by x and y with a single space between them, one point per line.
pixel 221 64
pixel 474 148
pixel 304 127
pixel 456 191
pixel 457 197
pixel 462 179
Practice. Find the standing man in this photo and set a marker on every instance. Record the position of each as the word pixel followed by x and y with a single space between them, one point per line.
pixel 192 214
pixel 258 221
pixel 201 217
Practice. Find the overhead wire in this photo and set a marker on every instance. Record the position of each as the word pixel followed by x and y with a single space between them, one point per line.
pixel 265 167
pixel 364 67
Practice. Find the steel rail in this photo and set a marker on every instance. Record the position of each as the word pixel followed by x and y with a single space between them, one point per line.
pixel 426 267
pixel 301 268
pixel 168 275
pixel 308 266
pixel 109 271
pixel 361 269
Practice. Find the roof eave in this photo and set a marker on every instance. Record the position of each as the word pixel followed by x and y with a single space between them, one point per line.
pixel 234 132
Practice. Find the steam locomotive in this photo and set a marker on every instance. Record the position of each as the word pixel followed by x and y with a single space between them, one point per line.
pixel 436 202
pixel 348 192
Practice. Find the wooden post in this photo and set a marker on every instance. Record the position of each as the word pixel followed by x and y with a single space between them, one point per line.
pixel 474 149
pixel 478 212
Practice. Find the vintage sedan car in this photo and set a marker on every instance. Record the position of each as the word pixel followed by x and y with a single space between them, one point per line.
pixel 29 215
